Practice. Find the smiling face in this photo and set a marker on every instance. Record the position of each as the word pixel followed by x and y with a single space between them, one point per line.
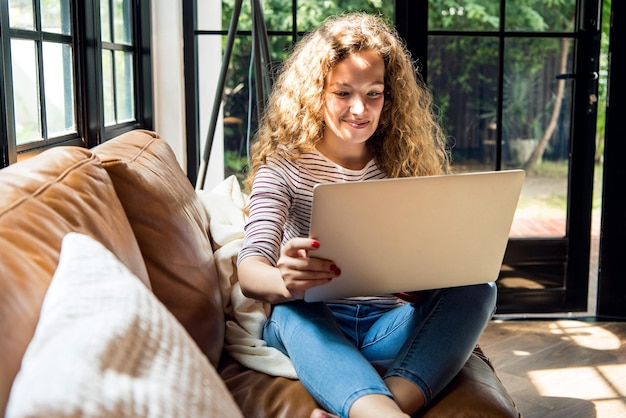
pixel 354 98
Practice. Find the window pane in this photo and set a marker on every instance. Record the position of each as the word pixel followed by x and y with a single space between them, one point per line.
pixel 124 94
pixel 108 88
pixel 25 91
pixel 479 15
pixel 531 89
pixel 244 22
pixel 55 16
pixel 311 13
pixel 541 17
pixel 463 74
pixel 122 22
pixel 59 88
pixel 21 14
pixel 105 21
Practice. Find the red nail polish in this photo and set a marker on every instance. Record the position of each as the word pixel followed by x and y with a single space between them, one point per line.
pixel 315 244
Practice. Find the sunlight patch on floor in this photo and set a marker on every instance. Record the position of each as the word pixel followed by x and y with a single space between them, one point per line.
pixel 586 335
pixel 589 383
pixel 610 408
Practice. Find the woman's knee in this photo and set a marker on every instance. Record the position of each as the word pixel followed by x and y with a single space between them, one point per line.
pixel 480 298
pixel 489 291
pixel 485 295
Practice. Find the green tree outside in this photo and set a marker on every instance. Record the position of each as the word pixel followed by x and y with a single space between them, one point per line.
pixel 477 63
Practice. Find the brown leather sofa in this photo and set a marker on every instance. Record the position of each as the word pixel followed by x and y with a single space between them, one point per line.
pixel 131 195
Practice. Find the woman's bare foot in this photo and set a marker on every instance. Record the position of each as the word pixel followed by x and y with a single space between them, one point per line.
pixel 408 400
pixel 407 395
pixel 376 406
pixel 320 413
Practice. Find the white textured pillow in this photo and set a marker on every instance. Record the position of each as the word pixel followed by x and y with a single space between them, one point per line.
pixel 105 346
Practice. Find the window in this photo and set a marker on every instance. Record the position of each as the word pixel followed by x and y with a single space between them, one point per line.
pixel 74 72
pixel 43 96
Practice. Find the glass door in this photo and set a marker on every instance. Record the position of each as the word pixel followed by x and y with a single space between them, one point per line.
pixel 515 82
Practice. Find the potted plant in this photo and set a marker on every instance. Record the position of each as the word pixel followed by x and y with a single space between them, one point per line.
pixel 521 125
pixel 522 110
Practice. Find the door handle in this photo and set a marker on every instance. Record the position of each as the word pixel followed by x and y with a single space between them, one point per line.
pixel 568 76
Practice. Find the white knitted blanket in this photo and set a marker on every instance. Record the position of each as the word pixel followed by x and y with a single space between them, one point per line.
pixel 226 205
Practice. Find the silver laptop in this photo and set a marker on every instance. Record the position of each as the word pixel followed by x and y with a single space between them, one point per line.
pixel 408 234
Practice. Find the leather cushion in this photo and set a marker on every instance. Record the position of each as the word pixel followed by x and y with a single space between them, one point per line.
pixel 476 392
pixel 42 199
pixel 172 229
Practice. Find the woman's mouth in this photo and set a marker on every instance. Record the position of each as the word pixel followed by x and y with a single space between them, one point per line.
pixel 358 124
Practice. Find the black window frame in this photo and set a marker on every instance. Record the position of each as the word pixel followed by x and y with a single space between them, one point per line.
pixel 573 250
pixel 88 80
pixel 569 254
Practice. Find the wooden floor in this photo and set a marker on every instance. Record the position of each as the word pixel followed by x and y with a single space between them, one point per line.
pixel 560 368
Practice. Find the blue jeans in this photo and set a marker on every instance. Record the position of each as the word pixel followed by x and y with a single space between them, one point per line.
pixel 335 347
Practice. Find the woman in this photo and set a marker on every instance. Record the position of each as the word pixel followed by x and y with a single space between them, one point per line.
pixel 348 106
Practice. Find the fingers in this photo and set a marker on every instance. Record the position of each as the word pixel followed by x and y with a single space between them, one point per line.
pixel 295 256
pixel 299 247
pixel 300 271
pixel 307 268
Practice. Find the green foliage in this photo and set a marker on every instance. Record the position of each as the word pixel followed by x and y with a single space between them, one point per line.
pixel 602 81
pixel 234 161
pixel 484 15
pixel 519 92
pixel 463 15
pixel 466 66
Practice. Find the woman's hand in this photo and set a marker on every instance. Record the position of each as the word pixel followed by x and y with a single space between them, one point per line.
pixel 301 272
pixel 295 272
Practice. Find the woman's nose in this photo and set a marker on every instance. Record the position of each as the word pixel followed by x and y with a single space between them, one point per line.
pixel 358 105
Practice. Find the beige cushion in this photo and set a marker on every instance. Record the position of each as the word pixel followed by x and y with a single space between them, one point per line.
pixel 106 347
pixel 172 229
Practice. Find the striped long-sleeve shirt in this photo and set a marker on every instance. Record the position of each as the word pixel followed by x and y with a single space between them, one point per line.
pixel 281 200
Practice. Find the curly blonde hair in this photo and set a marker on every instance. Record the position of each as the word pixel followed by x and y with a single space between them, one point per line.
pixel 408 140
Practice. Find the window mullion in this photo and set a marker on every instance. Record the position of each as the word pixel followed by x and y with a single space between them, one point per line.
pixel 110 21
pixel 7 124
pixel 143 63
pixel 89 59
pixel 41 89
pixel 116 115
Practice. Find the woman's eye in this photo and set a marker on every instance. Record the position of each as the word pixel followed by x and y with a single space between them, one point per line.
pixel 342 94
pixel 375 94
